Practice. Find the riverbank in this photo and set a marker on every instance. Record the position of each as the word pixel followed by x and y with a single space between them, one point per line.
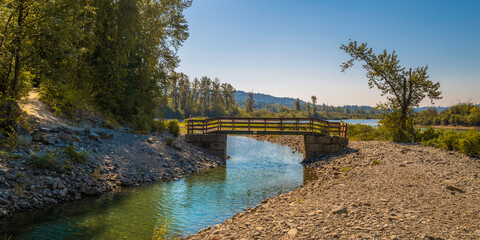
pixel 452 127
pixel 380 190
pixel 57 162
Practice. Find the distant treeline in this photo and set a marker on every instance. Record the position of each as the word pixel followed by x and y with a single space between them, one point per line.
pixel 204 97
pixel 198 97
pixel 463 114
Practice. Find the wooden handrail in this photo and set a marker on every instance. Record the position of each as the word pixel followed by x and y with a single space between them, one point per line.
pixel 280 126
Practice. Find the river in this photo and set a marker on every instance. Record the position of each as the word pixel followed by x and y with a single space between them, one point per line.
pixel 256 171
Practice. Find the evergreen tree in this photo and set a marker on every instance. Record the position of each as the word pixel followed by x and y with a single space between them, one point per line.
pixel 249 103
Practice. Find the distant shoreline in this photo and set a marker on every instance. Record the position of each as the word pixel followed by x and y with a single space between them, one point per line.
pixel 450 127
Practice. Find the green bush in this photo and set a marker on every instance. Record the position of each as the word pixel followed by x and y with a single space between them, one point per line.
pixel 361 132
pixel 470 143
pixel 159 126
pixel 74 155
pixel 467 142
pixel 174 127
pixel 170 142
pixel 46 161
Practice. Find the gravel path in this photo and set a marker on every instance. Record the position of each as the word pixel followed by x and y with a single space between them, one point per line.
pixel 376 190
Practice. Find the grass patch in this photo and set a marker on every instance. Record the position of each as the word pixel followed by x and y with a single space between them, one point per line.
pixel 46 161
pixel 96 173
pixel 345 169
pixel 170 142
pixel 376 162
pixel 74 155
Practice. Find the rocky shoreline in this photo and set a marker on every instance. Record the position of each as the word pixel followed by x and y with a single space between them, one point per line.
pixel 103 160
pixel 373 190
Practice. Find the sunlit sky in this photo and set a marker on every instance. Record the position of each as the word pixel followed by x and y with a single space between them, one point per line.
pixel 291 48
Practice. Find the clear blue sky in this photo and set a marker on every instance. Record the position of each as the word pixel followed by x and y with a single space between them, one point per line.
pixel 291 48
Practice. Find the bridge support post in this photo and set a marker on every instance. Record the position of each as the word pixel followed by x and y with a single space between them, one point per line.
pixel 317 146
pixel 216 144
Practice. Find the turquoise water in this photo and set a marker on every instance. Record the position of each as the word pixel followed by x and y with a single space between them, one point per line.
pixel 256 171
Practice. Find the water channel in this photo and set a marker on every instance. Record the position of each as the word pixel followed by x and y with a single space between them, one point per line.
pixel 256 171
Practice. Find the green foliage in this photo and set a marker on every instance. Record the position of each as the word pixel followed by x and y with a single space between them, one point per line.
pixel 377 162
pixel 10 141
pixel 162 228
pixel 249 103
pixel 345 169
pixel 461 114
pixel 159 126
pixel 361 132
pixel 170 142
pixel 96 174
pixel 405 88
pixel 47 161
pixel 467 142
pixel 74 155
pixel 90 56
pixel 174 127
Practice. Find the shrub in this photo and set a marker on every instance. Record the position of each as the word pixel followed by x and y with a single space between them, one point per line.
pixel 159 126
pixel 170 142
pixel 74 155
pixel 174 127
pixel 467 142
pixel 46 161
pixel 470 143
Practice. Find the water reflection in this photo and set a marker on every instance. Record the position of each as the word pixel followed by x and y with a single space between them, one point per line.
pixel 257 170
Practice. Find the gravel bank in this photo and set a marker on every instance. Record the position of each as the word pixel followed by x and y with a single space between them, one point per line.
pixel 115 158
pixel 376 190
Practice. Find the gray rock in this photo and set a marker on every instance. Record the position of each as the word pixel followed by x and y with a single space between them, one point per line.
pixel 10 177
pixel 105 135
pixel 65 137
pixel 31 152
pixel 60 186
pixel 94 136
pixel 49 140
pixel 292 232
pixel 339 210
pixel 455 189
pixel 3 172
pixel 26 139
pixel 4 202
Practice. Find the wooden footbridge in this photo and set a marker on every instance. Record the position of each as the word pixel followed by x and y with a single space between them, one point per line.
pixel 320 136
pixel 267 126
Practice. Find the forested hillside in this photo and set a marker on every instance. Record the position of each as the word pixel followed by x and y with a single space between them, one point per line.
pixel 108 56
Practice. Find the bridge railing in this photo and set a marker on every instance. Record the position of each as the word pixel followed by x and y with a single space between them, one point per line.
pixel 280 126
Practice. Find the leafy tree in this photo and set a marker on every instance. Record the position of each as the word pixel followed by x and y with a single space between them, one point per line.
pixel 249 103
pixel 405 89
pixel 314 106
pixel 296 104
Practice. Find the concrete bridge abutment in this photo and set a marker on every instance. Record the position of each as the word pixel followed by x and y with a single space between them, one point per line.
pixel 317 146
pixel 215 144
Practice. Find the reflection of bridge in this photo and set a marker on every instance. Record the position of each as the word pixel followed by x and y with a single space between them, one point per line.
pixel 320 136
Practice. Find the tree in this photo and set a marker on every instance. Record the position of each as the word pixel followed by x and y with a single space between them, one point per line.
pixel 314 106
pixel 296 104
pixel 249 103
pixel 405 89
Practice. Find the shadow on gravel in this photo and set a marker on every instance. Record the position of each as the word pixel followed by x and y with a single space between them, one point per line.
pixel 315 162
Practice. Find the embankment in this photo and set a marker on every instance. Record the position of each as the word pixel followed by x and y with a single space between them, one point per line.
pixel 49 168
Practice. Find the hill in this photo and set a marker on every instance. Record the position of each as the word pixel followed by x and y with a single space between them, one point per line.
pixel 240 97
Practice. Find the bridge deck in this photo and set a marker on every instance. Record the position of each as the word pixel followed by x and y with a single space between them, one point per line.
pixel 268 126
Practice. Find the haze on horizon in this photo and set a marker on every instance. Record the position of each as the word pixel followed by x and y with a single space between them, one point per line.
pixel 291 48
